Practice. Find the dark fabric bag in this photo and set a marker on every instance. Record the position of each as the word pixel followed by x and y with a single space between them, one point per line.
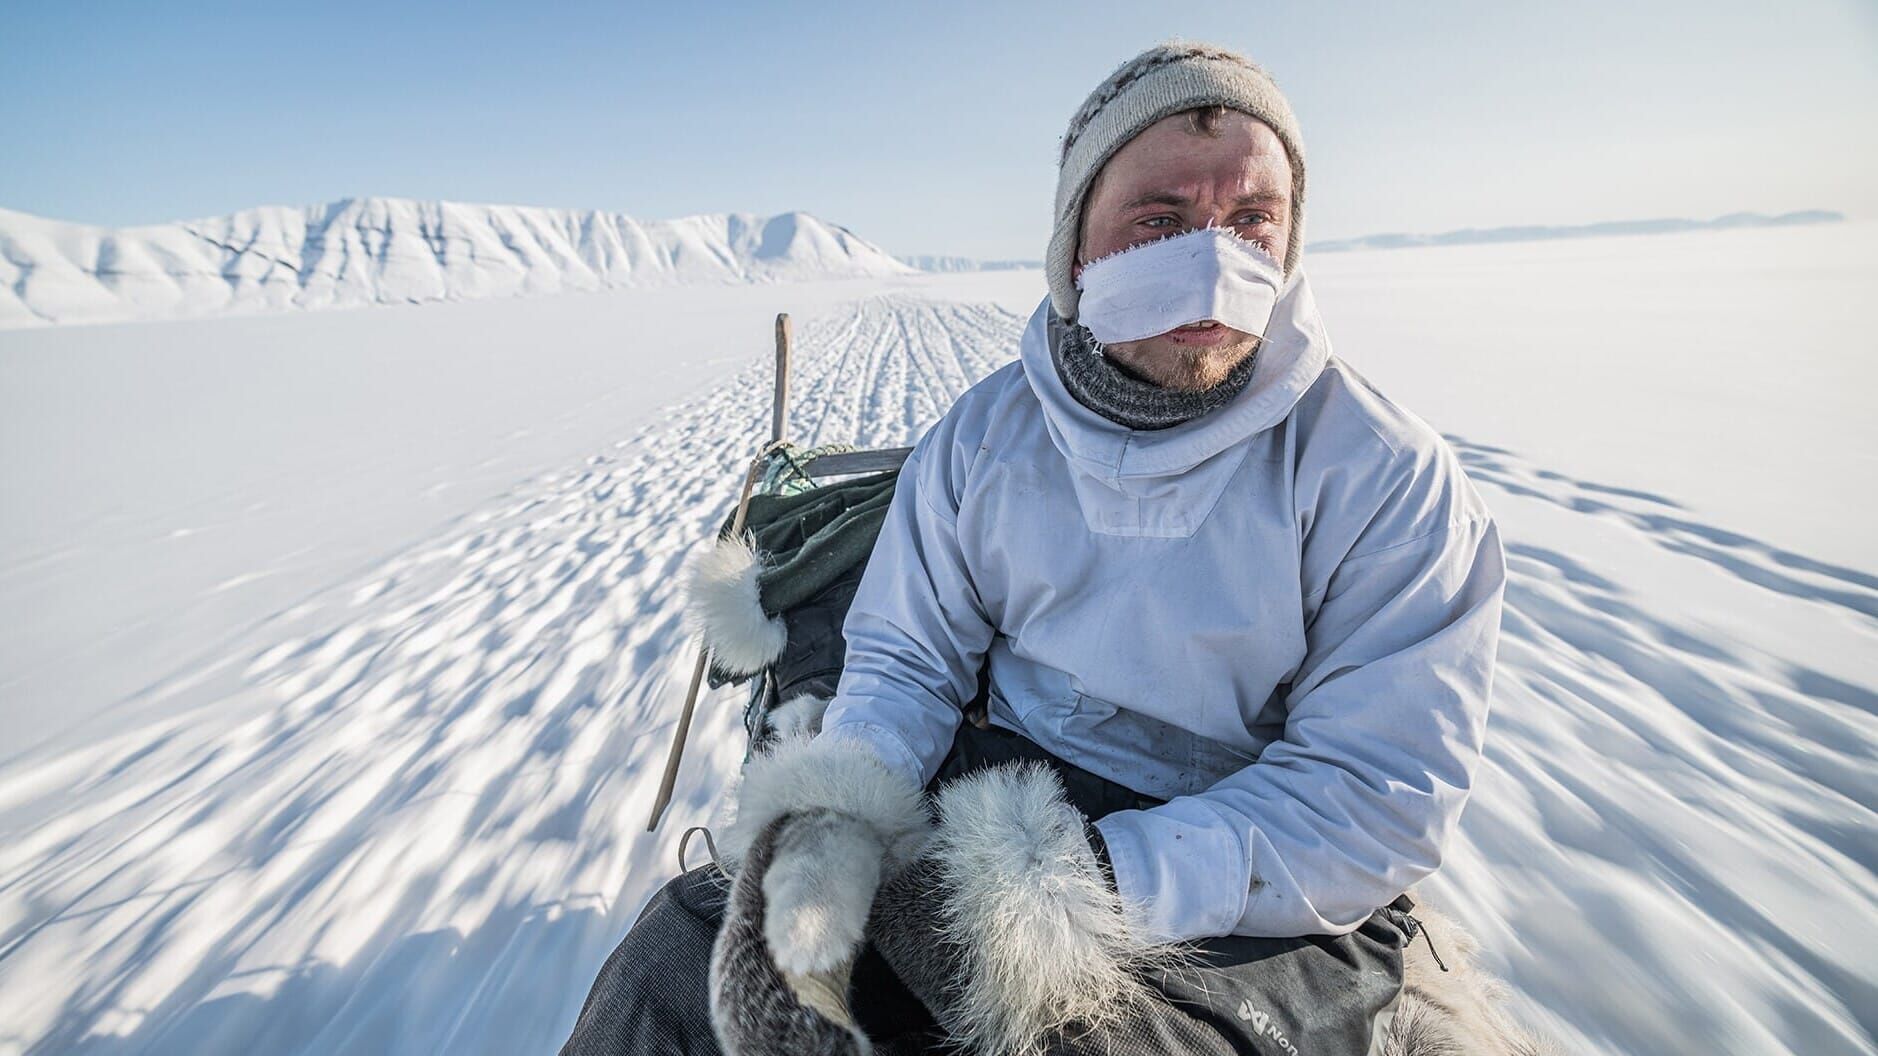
pixel 815 544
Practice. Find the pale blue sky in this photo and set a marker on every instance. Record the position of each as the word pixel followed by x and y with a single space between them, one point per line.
pixel 928 128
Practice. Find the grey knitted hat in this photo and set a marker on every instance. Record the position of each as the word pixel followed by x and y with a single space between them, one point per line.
pixel 1162 80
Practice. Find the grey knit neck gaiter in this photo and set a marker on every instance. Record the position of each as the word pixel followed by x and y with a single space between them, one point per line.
pixel 1101 385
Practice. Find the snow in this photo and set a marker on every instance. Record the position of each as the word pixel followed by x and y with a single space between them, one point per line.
pixel 394 250
pixel 343 648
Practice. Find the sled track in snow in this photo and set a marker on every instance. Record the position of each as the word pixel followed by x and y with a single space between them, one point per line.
pixel 433 835
pixel 426 831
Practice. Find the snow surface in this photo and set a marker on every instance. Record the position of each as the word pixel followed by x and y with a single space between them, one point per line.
pixel 342 649
pixel 392 250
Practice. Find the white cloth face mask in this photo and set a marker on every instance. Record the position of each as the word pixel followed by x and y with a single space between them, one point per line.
pixel 1205 273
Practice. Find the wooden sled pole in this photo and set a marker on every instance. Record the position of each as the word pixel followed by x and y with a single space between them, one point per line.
pixel 779 407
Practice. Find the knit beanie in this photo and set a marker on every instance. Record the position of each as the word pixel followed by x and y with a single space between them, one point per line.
pixel 1162 80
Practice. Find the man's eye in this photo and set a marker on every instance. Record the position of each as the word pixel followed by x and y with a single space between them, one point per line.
pixel 1250 218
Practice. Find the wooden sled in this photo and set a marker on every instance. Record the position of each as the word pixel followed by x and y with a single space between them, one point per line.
pixel 818 468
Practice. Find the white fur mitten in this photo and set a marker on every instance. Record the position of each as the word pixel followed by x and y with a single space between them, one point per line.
pixel 820 823
pixel 1008 929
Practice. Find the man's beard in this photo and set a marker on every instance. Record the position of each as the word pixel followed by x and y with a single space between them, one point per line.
pixel 1178 368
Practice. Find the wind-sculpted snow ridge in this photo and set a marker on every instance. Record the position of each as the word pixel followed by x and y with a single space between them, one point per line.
pixel 1669 846
pixel 391 250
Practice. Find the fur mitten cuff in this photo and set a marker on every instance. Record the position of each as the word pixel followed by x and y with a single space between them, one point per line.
pixel 852 823
pixel 1030 934
pixel 799 772
pixel 724 607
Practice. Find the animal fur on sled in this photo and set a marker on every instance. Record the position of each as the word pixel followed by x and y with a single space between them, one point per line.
pixel 1456 1012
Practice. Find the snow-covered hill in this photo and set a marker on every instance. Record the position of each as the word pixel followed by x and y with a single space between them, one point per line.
pixel 391 250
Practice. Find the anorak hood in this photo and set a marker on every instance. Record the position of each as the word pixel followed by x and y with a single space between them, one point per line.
pixel 1136 461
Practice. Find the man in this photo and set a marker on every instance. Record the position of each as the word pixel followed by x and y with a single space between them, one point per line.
pixel 1237 612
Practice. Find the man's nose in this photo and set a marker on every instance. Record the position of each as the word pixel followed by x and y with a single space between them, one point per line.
pixel 1223 218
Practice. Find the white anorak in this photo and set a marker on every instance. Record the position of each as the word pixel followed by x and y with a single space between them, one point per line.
pixel 1281 617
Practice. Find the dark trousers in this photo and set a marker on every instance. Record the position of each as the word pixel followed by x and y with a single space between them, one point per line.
pixel 1316 994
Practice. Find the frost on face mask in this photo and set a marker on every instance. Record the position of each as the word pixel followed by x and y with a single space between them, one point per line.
pixel 1206 273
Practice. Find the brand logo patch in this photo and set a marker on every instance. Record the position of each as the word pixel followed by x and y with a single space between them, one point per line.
pixel 1263 1024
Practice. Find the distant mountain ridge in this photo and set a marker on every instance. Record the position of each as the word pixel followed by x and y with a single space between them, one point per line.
pixel 1534 233
pixel 392 250
pixel 940 263
pixel 360 251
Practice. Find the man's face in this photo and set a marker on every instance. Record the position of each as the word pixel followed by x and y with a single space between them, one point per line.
pixel 1170 179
